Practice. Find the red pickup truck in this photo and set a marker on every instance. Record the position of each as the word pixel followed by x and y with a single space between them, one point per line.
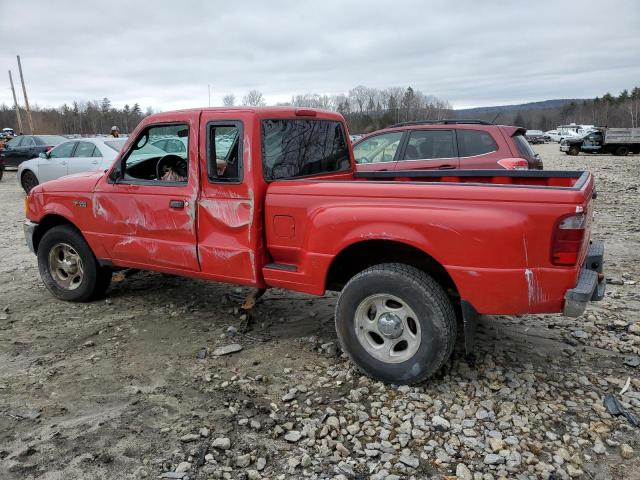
pixel 269 197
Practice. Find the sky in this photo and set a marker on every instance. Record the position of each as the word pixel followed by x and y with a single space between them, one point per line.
pixel 166 54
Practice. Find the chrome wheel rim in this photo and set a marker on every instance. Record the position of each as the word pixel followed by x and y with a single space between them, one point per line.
pixel 387 328
pixel 65 266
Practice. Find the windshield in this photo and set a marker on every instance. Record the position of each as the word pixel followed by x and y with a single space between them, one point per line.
pixel 523 146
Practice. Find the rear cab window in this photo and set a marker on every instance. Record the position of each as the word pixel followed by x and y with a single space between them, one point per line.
pixel 293 148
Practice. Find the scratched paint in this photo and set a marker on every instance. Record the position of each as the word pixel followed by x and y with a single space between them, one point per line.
pixel 535 292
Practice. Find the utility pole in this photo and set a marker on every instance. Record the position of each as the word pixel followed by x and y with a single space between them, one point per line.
pixel 15 101
pixel 26 99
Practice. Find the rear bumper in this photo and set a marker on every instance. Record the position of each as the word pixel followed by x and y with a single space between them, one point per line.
pixel 29 230
pixel 591 282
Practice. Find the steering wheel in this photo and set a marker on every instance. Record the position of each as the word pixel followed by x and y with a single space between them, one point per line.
pixel 176 162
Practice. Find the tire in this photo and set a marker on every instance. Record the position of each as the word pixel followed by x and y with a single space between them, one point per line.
pixel 622 151
pixel 573 151
pixel 433 330
pixel 28 181
pixel 68 267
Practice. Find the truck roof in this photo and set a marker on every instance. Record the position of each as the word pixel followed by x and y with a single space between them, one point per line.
pixel 262 112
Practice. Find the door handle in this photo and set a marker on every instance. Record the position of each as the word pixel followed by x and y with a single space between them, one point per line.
pixel 447 167
pixel 63 163
pixel 177 204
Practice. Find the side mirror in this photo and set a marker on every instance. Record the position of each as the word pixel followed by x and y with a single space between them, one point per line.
pixel 43 155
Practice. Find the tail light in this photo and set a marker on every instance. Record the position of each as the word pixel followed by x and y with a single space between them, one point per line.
pixel 514 164
pixel 568 238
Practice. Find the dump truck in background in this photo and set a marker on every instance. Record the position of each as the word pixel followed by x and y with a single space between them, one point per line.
pixel 618 141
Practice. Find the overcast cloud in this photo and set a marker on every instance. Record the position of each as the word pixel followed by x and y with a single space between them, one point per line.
pixel 163 54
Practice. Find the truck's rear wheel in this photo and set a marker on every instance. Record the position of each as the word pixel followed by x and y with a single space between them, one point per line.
pixel 622 151
pixel 573 151
pixel 396 323
pixel 68 267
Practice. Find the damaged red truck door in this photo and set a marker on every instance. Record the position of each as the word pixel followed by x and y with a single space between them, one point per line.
pixel 269 197
pixel 146 222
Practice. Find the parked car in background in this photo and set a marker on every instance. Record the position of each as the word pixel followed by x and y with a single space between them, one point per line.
pixel 25 147
pixel 354 137
pixel 446 144
pixel 618 141
pixel 7 133
pixel 535 137
pixel 72 156
pixel 553 135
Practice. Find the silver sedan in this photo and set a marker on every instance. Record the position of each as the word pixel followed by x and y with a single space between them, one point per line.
pixel 74 156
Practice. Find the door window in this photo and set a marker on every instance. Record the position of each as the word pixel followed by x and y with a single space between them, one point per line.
pixel 224 159
pixel 84 149
pixel 149 163
pixel 429 144
pixel 475 142
pixel 381 148
pixel 63 151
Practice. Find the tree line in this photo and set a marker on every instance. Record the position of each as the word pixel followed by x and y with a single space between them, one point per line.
pixel 85 118
pixel 609 110
pixel 365 109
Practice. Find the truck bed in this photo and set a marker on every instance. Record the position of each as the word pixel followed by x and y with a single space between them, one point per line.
pixel 490 230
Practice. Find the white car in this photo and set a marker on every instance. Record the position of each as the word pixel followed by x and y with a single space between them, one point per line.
pixel 74 156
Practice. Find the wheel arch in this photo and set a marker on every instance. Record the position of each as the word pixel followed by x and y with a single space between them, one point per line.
pixel 47 223
pixel 359 256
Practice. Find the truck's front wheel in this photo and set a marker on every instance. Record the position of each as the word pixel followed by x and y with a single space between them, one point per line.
pixel 68 267
pixel 396 323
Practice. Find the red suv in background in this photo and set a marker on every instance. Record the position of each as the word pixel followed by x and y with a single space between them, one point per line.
pixel 446 144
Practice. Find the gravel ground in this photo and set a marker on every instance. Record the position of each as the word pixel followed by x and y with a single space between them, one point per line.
pixel 130 387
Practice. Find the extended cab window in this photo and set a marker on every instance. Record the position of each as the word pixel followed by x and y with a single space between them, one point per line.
pixel 381 148
pixel 295 148
pixel 475 142
pixel 149 162
pixel 224 159
pixel 428 144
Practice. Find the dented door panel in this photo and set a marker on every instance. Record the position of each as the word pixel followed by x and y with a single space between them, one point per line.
pixel 152 224
pixel 230 245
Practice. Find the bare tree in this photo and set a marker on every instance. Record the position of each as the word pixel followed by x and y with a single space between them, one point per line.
pixel 229 100
pixel 253 99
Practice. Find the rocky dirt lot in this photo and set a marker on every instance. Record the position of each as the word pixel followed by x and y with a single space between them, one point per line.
pixel 130 387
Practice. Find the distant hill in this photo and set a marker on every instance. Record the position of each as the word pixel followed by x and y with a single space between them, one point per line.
pixel 513 108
